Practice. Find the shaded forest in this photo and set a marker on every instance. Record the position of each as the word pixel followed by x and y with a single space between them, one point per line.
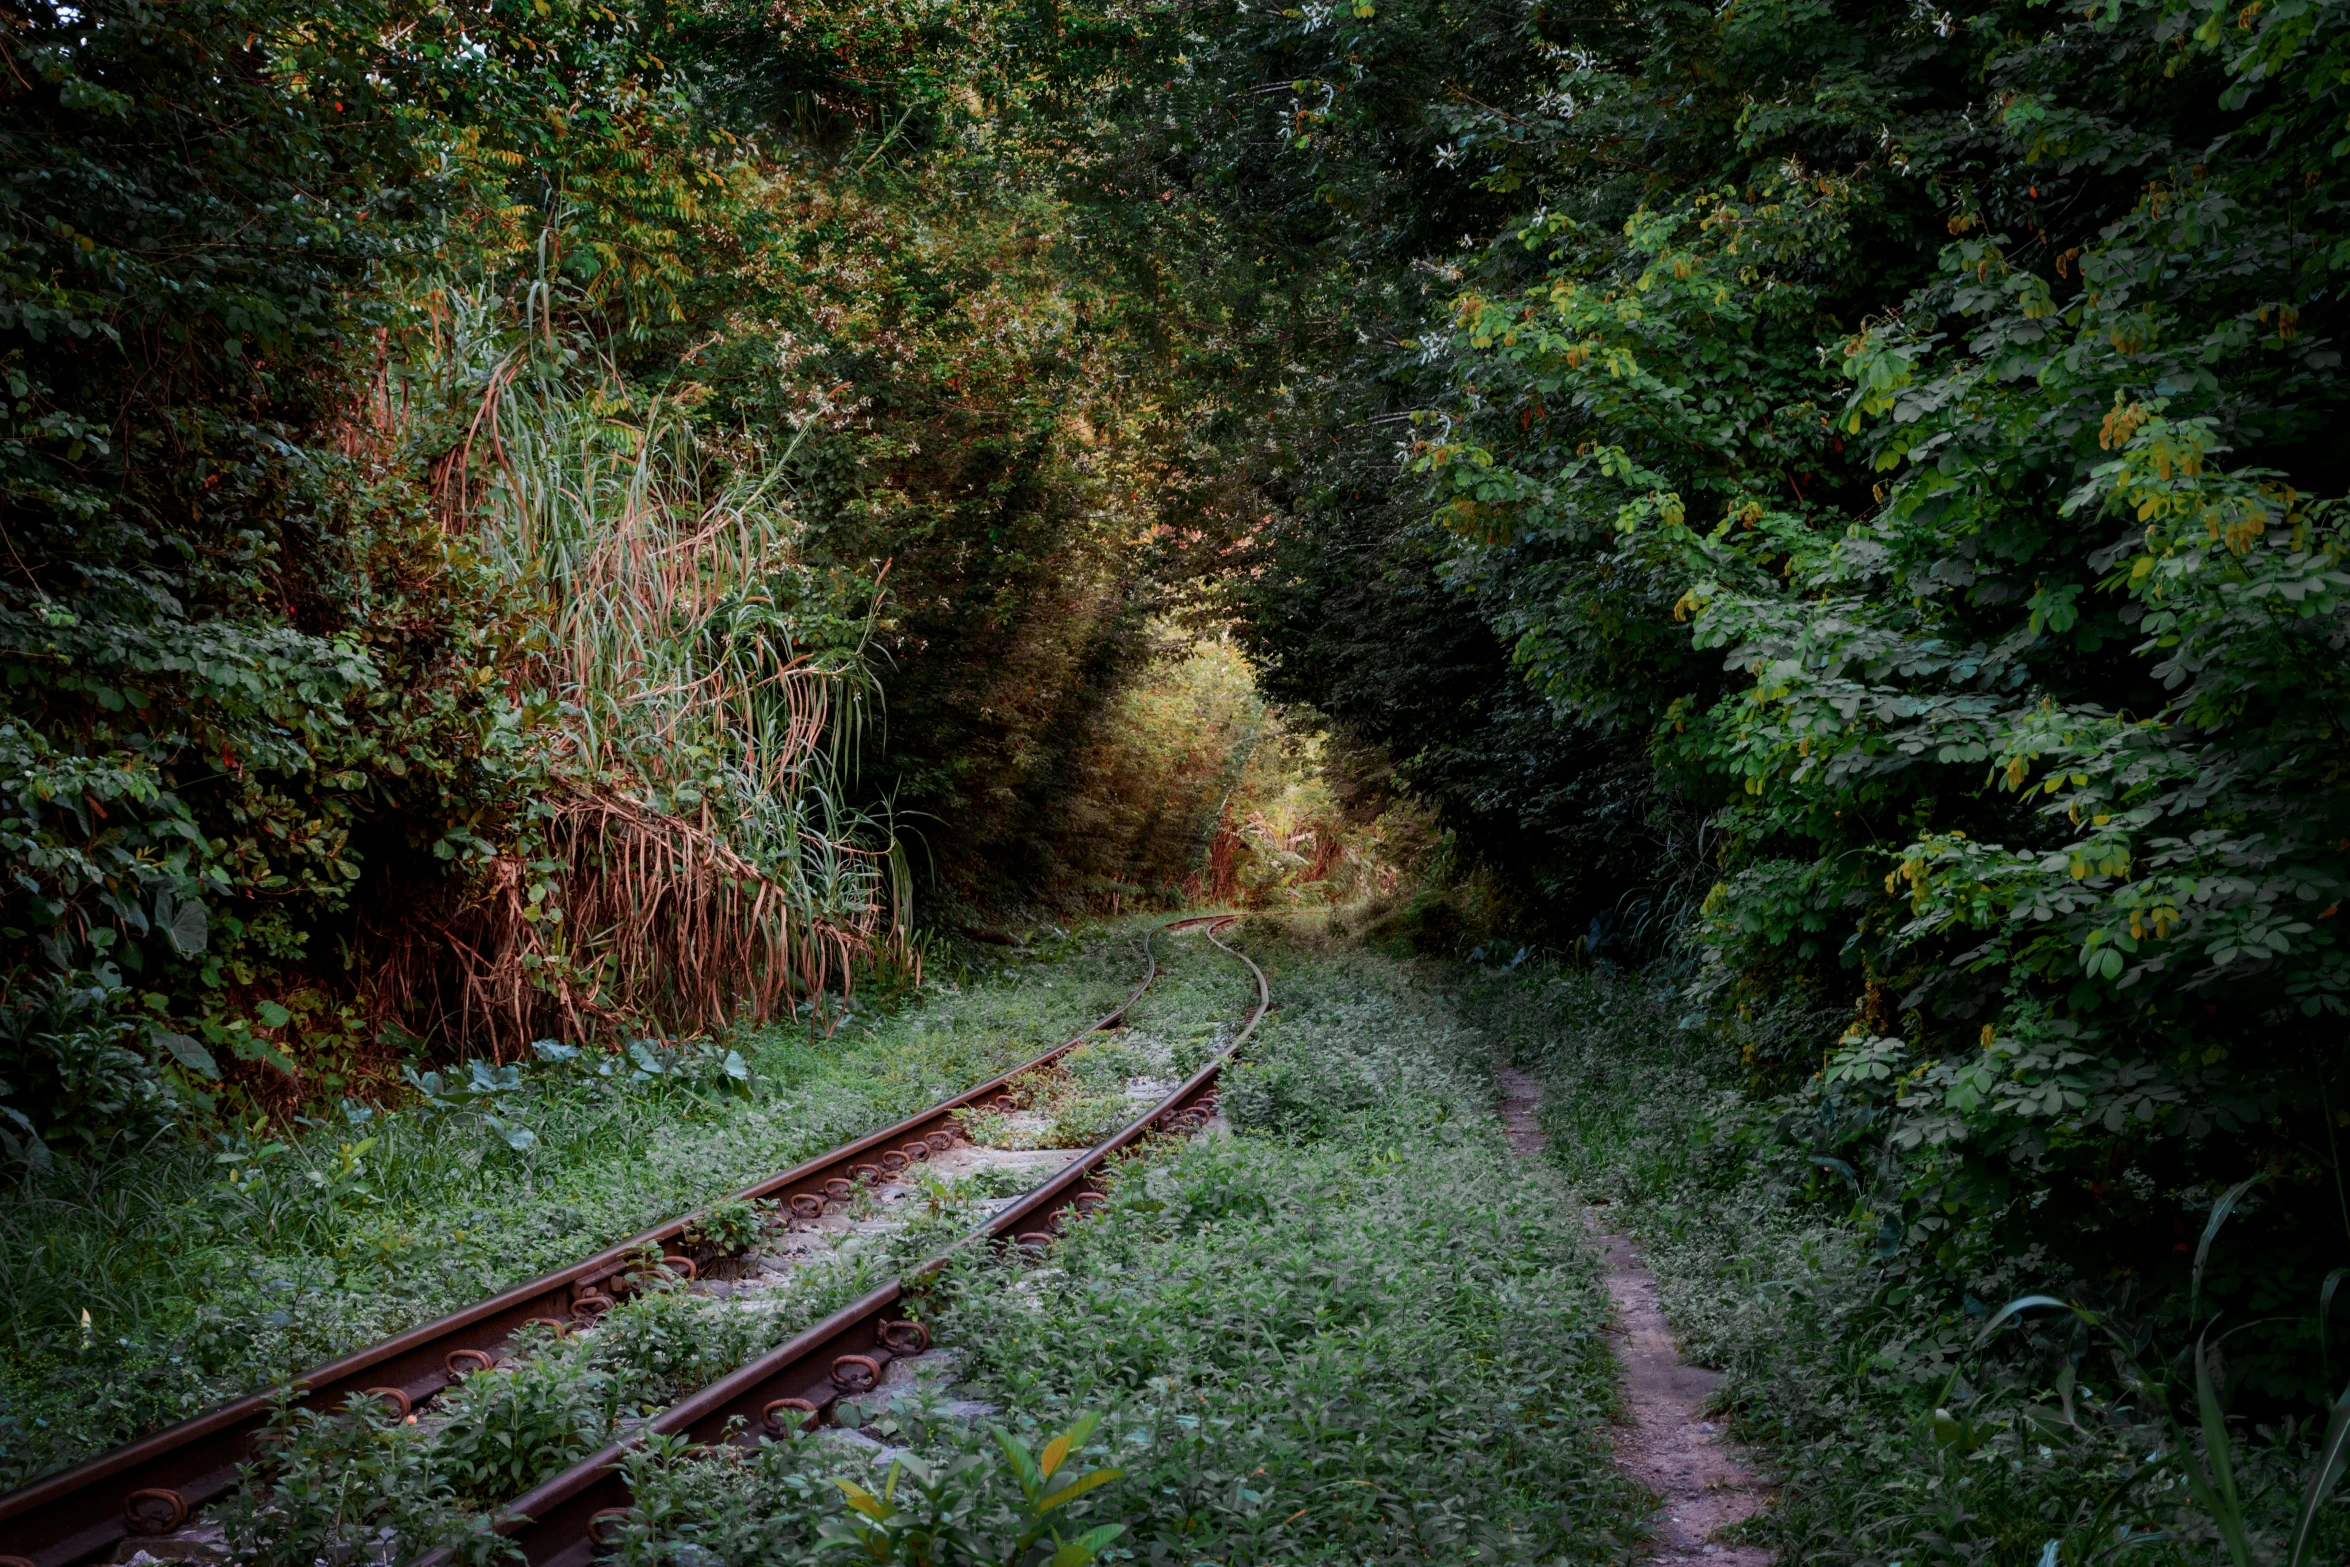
pixel 537 518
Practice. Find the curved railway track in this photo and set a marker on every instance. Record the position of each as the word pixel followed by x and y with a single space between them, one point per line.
pixel 152 1486
pixel 562 1521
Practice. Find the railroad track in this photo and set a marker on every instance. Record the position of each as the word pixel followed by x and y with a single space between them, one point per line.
pixel 564 1521
pixel 151 1487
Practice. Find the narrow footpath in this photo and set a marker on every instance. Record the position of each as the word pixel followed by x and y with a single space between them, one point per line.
pixel 1664 1439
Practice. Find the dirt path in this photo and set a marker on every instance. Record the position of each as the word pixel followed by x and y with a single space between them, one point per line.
pixel 1665 1441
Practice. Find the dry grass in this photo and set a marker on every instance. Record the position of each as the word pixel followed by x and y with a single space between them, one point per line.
pixel 686 863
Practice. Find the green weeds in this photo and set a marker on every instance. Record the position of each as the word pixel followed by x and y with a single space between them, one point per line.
pixel 1356 1329
pixel 330 1479
pixel 1364 1336
pixel 1081 1099
pixel 338 1485
pixel 206 1271
pixel 925 1513
pixel 506 1430
pixel 971 1498
pixel 730 1225
pixel 1905 1429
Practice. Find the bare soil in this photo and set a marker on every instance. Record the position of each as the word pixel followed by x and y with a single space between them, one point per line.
pixel 1663 1437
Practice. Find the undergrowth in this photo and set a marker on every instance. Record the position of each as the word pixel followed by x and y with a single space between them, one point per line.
pixel 1082 1098
pixel 336 1485
pixel 145 1289
pixel 1354 1330
pixel 1907 1425
pixel 332 1484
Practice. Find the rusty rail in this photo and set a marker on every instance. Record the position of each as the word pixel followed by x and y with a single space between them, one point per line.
pixel 563 1521
pixel 151 1486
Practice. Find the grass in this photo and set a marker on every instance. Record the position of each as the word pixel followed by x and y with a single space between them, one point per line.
pixel 1903 1429
pixel 337 1483
pixel 686 862
pixel 1356 1330
pixel 175 1276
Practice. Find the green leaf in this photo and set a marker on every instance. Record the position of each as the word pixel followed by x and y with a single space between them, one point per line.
pixel 2332 1455
pixel 1083 1549
pixel 1056 1452
pixel 187 928
pixel 2020 1303
pixel 2218 1493
pixel 1077 1488
pixel 252 1047
pixel 189 1053
pixel 272 1015
pixel 2219 1216
pixel 1022 1461
pixel 29 1148
pixel 865 1501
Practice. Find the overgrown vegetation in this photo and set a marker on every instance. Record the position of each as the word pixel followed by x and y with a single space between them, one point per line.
pixel 1842 495
pixel 145 1290
pixel 1354 1330
pixel 571 521
pixel 1906 1424
pixel 529 521
pixel 330 1482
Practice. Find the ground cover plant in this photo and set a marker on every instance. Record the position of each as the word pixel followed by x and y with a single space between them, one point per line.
pixel 332 1480
pixel 361 1478
pixel 1356 1329
pixel 1188 1015
pixel 1903 1425
pixel 146 1289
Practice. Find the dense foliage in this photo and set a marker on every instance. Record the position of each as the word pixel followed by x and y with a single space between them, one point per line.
pixel 1899 1431
pixel 541 519
pixel 195 714
pixel 552 518
pixel 1894 448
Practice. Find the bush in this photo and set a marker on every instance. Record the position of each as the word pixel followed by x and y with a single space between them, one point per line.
pixel 1901 1427
pixel 75 1064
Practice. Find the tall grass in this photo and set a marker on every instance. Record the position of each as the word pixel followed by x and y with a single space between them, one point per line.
pixel 696 694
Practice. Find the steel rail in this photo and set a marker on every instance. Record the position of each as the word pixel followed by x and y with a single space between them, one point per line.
pixel 153 1485
pixel 564 1521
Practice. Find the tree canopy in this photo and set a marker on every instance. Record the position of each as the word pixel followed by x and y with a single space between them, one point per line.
pixel 1845 499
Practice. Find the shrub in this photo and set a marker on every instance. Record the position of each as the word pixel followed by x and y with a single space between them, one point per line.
pixel 505 1430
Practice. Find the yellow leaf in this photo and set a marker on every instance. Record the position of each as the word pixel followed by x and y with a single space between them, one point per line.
pixel 864 1501
pixel 1077 1488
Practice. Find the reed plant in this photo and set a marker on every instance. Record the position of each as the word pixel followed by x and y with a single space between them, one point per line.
pixel 692 696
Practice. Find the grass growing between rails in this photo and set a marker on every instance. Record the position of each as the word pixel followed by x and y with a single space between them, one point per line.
pixel 1907 1425
pixel 360 1482
pixel 144 1289
pixel 1357 1329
